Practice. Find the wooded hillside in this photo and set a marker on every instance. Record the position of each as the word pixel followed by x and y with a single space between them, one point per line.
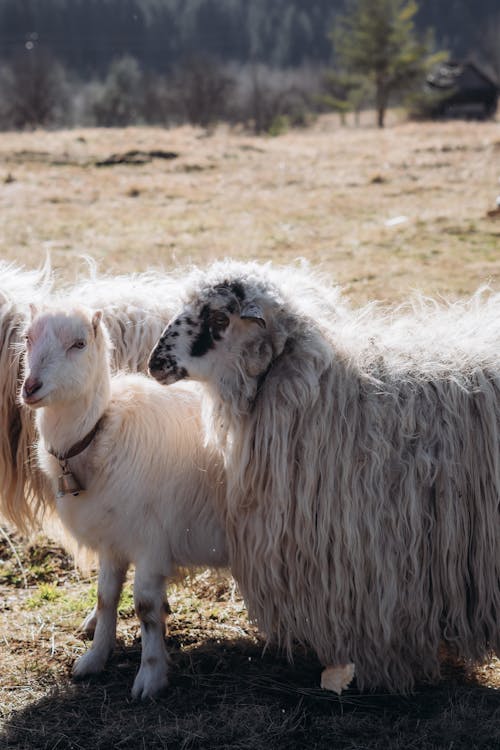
pixel 87 34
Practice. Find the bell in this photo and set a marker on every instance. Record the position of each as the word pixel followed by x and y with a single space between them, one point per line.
pixel 67 484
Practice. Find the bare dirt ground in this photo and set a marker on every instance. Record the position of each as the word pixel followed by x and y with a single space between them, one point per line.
pixel 383 213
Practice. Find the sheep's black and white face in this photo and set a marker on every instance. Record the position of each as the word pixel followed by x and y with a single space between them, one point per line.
pixel 219 338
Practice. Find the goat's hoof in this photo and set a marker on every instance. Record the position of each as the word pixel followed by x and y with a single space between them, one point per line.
pixel 91 662
pixel 89 624
pixel 150 679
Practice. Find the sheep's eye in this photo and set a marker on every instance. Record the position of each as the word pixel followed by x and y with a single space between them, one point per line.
pixel 219 320
pixel 27 340
pixel 80 344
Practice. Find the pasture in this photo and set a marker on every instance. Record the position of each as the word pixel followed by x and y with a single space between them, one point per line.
pixel 383 213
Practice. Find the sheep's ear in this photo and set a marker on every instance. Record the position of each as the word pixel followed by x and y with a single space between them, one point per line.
pixel 33 310
pixel 253 312
pixel 96 319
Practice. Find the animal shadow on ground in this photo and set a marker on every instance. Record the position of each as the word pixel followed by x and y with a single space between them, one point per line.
pixel 234 694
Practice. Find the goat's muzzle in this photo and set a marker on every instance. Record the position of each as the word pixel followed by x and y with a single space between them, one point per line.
pixel 31 387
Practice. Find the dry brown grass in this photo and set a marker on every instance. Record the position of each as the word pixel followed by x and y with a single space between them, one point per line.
pixel 225 692
pixel 326 194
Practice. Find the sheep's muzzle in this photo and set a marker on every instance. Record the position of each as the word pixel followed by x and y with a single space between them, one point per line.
pixel 164 369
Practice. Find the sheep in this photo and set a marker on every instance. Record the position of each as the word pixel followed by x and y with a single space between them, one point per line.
pixel 135 307
pixel 361 449
pixel 18 485
pixel 134 481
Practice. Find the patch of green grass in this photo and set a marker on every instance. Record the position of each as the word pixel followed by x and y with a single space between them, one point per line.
pixel 126 603
pixel 38 562
pixel 73 602
pixel 280 125
pixel 46 593
pixel 10 575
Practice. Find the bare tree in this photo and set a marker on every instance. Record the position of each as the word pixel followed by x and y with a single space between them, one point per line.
pixel 201 88
pixel 118 101
pixel 34 91
pixel 265 96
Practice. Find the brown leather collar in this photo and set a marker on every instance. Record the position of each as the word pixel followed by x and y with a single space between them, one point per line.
pixel 80 446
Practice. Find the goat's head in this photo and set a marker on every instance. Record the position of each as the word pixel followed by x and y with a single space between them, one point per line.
pixel 60 355
pixel 222 338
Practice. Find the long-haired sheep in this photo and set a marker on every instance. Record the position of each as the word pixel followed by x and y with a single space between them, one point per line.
pixel 362 452
pixel 135 308
pixel 148 484
pixel 18 485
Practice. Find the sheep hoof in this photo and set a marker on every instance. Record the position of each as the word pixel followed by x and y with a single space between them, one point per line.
pixel 337 678
pixel 150 679
pixel 91 662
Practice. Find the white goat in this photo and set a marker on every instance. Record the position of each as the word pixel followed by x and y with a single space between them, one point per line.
pixel 362 453
pixel 135 307
pixel 149 485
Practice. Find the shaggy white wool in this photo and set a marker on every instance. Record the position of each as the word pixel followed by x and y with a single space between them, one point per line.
pixel 18 485
pixel 362 454
pixel 337 679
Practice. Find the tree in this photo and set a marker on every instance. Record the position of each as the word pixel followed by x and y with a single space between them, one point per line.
pixel 345 92
pixel 34 91
pixel 377 39
pixel 269 100
pixel 202 87
pixel 118 101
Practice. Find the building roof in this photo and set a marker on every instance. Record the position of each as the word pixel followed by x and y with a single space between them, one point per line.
pixel 464 74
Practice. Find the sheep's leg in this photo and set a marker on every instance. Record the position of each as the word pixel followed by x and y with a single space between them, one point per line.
pixel 109 586
pixel 149 592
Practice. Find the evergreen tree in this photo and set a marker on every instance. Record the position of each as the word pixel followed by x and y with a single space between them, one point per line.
pixel 377 39
pixel 345 92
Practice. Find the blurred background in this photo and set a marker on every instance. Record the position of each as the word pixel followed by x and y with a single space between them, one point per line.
pixel 265 65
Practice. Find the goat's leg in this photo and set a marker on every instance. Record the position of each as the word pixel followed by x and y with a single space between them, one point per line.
pixel 149 592
pixel 110 582
pixel 89 624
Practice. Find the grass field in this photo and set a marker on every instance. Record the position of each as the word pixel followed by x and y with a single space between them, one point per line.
pixel 383 213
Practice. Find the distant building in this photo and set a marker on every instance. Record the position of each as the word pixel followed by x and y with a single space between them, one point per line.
pixel 466 90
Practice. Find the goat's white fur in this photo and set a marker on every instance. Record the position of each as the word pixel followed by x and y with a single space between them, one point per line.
pixel 135 309
pixel 150 483
pixel 362 450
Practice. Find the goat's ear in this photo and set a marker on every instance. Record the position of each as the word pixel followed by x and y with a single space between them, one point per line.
pixel 33 310
pixel 253 312
pixel 96 319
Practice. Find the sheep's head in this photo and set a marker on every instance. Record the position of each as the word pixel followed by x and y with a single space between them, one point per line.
pixel 222 337
pixel 60 355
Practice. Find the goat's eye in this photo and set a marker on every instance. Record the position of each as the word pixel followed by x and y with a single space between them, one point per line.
pixel 219 320
pixel 27 340
pixel 80 344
